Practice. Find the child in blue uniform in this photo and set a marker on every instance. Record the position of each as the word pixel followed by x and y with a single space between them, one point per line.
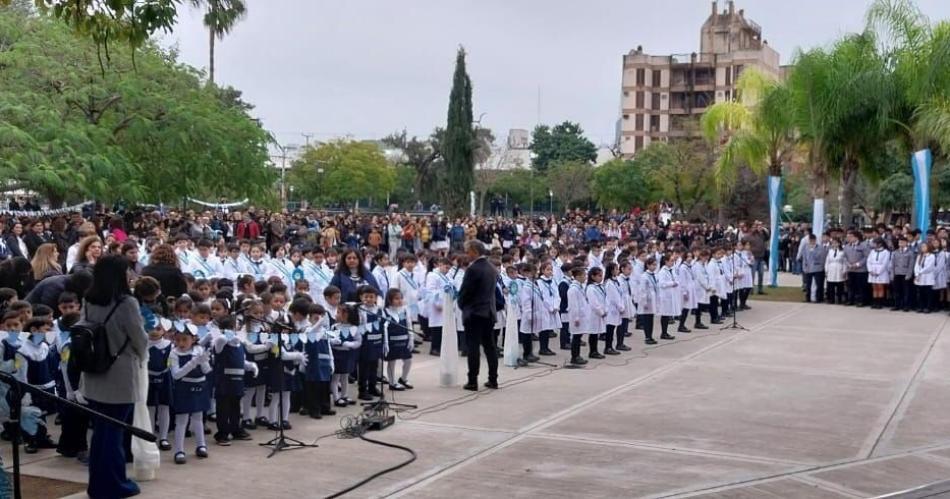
pixel 345 339
pixel 373 347
pixel 292 360
pixel 319 369
pixel 398 337
pixel 159 378
pixel 230 365
pixel 35 350
pixel 190 397
pixel 75 424
pixel 257 350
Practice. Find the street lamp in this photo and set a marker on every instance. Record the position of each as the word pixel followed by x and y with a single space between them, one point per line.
pixel 283 169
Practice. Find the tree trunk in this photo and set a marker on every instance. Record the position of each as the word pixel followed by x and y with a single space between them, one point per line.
pixel 211 55
pixel 849 173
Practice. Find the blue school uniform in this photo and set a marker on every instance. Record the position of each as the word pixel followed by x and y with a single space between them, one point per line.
pixel 39 374
pixel 159 374
pixel 190 393
pixel 229 370
pixel 292 381
pixel 371 349
pixel 320 366
pixel 397 329
pixel 260 359
pixel 344 361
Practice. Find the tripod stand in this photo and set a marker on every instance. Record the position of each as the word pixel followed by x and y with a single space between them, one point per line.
pixel 734 303
pixel 18 388
pixel 281 442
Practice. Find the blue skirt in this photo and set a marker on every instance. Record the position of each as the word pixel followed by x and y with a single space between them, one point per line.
pixel 160 389
pixel 399 350
pixel 190 397
pixel 344 361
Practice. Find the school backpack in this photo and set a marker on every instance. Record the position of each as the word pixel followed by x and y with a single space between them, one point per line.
pixel 89 349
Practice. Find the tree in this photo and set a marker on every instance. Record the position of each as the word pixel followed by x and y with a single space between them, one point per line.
pixel 681 172
pixel 570 182
pixel 350 171
pixel 155 134
pixel 424 156
pixel 620 184
pixel 896 194
pixel 458 147
pixel 563 143
pixel 220 17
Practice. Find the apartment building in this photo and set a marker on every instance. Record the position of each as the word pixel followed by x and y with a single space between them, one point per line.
pixel 663 96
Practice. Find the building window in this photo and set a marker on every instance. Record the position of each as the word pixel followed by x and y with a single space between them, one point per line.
pixel 655 123
pixel 728 95
pixel 729 76
pixel 638 120
pixel 638 143
pixel 639 100
pixel 626 116
pixel 641 77
pixel 626 94
pixel 627 138
pixel 656 77
pixel 655 101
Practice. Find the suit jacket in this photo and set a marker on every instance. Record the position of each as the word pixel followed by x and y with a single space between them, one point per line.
pixel 33 241
pixel 477 294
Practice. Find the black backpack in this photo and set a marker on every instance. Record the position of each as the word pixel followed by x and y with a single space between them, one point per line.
pixel 89 346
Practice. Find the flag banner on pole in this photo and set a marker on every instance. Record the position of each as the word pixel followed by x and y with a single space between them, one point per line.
pixel 818 218
pixel 775 206
pixel 921 162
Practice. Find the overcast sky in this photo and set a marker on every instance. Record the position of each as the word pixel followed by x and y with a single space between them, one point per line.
pixel 370 67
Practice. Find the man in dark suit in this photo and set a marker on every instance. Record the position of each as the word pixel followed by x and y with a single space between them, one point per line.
pixel 477 301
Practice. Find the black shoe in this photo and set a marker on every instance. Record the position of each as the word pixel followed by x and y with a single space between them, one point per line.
pixel 547 352
pixel 716 322
pixel 667 337
pixel 471 386
pixel 341 403
pixel 374 392
pixel 30 448
pixel 491 384
pixel 201 452
pixel 164 445
pixel 405 384
pixel 623 348
pixel 286 425
pixel 303 411
pixel 222 441
pixel 365 396
pixel 242 435
pixel 435 353
pixel 532 358
pixel 180 458
pixel 328 412
pixel 578 361
pixel 568 347
pixel 273 426
pixel 650 341
pixel 700 326
pixel 397 387
pixel 262 421
pixel 213 418
pixel 628 333
pixel 352 379
pixel 249 424
pixel 349 401
pixel 316 416
pixel 597 355
pixel 683 329
pixel 611 351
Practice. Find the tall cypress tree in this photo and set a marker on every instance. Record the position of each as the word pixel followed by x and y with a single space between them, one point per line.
pixel 458 145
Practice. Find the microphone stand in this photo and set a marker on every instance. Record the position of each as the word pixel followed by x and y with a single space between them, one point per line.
pixel 19 388
pixel 735 300
pixel 281 442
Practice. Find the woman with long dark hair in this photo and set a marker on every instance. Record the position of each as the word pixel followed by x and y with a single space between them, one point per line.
pixel 109 302
pixel 351 274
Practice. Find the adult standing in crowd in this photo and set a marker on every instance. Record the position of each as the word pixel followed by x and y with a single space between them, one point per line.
pixel 88 253
pixel 163 266
pixel 476 299
pixel 46 262
pixel 114 392
pixel 351 274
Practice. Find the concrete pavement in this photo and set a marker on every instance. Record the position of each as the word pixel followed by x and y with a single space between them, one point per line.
pixel 812 401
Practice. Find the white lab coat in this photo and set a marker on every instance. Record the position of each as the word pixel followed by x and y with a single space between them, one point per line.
pixel 717 277
pixel 688 288
pixel 597 300
pixel 649 294
pixel 627 289
pixel 701 285
pixel 836 266
pixel 551 320
pixel 532 308
pixel 879 267
pixel 577 309
pixel 925 270
pixel 436 283
pixel 670 296
pixel 615 302
pixel 406 282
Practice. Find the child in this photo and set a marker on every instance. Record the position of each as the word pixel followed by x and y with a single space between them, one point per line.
pixel 257 350
pixel 684 279
pixel 629 311
pixel 743 262
pixel 551 304
pixel 75 424
pixel 159 378
pixel 319 369
pixel 201 320
pixel 398 336
pixel 332 297
pixel 373 348
pixel 670 301
pixel 381 271
pixel 230 366
pixel 615 308
pixel 597 317
pixel 562 288
pixel 436 283
pixel 35 351
pixel 292 359
pixel 255 266
pixel 406 282
pixel 577 311
pixel 648 295
pixel 345 341
pixel 703 288
pixel 190 397
pixel 531 304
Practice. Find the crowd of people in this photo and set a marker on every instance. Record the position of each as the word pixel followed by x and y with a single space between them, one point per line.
pixel 245 318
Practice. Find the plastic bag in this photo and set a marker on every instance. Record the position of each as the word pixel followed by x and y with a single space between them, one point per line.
pixel 449 355
pixel 145 455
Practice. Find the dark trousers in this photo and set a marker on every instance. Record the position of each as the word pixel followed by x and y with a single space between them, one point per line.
pixel 857 284
pixel 665 325
pixel 435 336
pixel 700 307
pixel 75 426
pixel 592 343
pixel 714 309
pixel 107 478
pixel 368 375
pixel 544 340
pixel 646 322
pixel 836 292
pixel 527 344
pixel 622 330
pixel 925 298
pixel 316 395
pixel 576 345
pixel 565 336
pixel 478 333
pixel 609 337
pixel 902 290
pixel 819 279
pixel 228 413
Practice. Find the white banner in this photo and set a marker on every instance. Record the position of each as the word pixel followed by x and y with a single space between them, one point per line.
pixel 219 205
pixel 45 213
pixel 818 218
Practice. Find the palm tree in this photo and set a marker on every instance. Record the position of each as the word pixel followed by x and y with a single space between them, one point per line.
pixel 918 54
pixel 220 18
pixel 758 131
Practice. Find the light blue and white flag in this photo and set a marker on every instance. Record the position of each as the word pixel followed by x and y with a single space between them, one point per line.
pixel 921 162
pixel 775 214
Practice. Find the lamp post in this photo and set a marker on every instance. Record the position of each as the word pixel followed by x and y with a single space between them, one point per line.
pixel 283 169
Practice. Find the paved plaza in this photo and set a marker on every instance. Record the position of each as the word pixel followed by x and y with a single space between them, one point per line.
pixel 812 401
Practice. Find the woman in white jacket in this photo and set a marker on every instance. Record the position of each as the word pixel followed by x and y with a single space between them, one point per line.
pixel 836 272
pixel 670 301
pixel 879 272
pixel 924 277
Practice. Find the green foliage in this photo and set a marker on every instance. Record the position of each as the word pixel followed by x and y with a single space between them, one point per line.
pixel 351 171
pixel 458 146
pixel 621 184
pixel 561 144
pixel 403 193
pixel 517 185
pixel 153 134
pixel 896 193
pixel 570 182
pixel 424 156
pixel 220 18
pixel 681 172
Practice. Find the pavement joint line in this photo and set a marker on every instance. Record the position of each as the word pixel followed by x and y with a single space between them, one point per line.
pixel 935 458
pixel 813 371
pixel 899 405
pixel 833 487
pixel 457 427
pixel 886 333
pixel 428 478
pixel 636 444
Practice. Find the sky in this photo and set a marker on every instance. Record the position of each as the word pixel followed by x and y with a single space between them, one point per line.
pixel 366 68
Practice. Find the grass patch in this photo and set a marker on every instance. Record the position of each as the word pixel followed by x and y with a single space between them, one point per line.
pixel 786 294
